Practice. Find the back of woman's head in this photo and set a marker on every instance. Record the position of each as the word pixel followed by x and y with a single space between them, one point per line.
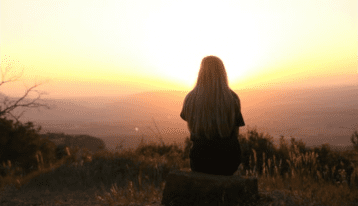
pixel 210 106
pixel 212 73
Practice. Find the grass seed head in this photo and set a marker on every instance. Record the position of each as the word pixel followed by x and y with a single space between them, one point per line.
pixel 9 163
pixel 269 162
pixel 254 156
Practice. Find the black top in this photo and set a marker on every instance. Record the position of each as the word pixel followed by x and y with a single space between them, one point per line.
pixel 218 148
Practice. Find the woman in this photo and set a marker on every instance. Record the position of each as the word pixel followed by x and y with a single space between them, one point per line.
pixel 213 113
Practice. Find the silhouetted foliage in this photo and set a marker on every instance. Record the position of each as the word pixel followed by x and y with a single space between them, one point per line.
pixel 60 151
pixel 20 143
pixel 283 155
pixel 301 146
pixel 92 144
pixel 340 162
pixel 187 145
pixel 354 140
pixel 260 143
pixel 8 106
pixel 327 156
pixel 324 152
pixel 251 141
pixel 152 150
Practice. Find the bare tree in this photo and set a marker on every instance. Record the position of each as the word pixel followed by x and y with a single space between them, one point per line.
pixel 8 105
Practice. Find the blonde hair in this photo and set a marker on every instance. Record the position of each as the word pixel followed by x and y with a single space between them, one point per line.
pixel 209 108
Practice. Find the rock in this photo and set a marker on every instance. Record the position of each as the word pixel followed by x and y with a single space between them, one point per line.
pixel 185 187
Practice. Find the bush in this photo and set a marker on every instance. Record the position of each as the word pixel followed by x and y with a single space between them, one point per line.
pixel 153 150
pixel 19 143
pixel 61 151
pixel 354 140
pixel 188 144
pixel 259 142
pixel 92 144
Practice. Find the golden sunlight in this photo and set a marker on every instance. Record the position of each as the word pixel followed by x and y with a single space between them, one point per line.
pixel 177 43
pixel 138 45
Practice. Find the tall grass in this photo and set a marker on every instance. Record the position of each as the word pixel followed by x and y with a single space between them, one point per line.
pixel 305 182
pixel 138 176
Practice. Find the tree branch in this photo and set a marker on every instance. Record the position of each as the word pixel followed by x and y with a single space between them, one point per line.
pixel 11 105
pixel 11 79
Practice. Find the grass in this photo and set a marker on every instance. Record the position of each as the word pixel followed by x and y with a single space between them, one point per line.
pixel 138 176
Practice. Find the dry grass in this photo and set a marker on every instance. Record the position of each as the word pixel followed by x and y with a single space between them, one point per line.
pixel 127 178
pixel 304 185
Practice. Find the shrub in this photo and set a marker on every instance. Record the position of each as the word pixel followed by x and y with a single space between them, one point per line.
pixel 354 140
pixel 153 150
pixel 255 144
pixel 187 145
pixel 19 143
pixel 61 151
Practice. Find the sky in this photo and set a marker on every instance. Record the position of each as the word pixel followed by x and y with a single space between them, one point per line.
pixel 114 47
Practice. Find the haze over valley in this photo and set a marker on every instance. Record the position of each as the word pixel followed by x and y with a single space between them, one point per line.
pixel 317 115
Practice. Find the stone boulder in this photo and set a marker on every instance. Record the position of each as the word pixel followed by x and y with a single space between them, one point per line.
pixel 184 187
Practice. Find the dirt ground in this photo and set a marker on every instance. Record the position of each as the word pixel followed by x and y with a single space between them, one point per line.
pixel 12 197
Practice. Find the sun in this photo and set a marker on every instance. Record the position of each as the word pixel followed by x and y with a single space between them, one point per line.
pixel 176 43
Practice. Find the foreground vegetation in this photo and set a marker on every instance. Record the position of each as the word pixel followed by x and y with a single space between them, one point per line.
pixel 287 174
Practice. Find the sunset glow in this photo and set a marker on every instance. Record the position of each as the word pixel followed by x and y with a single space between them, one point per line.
pixel 115 47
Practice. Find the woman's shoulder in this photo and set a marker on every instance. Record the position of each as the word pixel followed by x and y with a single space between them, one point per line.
pixel 234 94
pixel 188 96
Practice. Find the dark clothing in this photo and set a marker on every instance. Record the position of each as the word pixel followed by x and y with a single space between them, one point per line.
pixel 221 156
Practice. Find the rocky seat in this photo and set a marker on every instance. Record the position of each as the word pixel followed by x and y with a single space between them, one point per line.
pixel 184 187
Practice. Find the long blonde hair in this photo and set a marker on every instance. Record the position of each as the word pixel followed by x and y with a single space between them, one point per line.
pixel 210 107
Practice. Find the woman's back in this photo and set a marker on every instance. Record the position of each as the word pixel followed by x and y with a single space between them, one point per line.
pixel 213 113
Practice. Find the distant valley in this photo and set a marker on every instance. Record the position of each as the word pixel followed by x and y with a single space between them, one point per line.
pixel 317 115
